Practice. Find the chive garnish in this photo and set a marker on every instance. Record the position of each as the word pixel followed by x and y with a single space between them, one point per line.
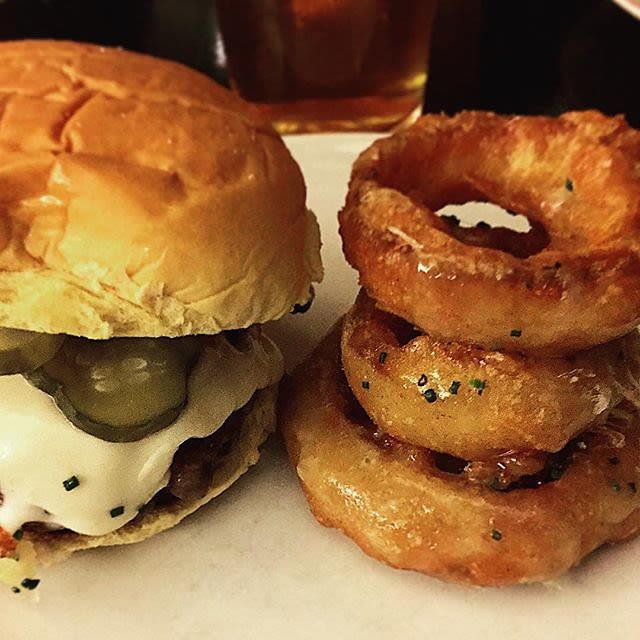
pixel 18 534
pixel 496 534
pixel 516 333
pixel 555 473
pixel 116 511
pixel 301 308
pixel 30 583
pixel 430 396
pixel 453 389
pixel 15 589
pixel 71 483
pixel 615 486
pixel 568 185
pixel 479 385
pixel 365 384
pixel 422 380
pixel 305 306
pixel 382 357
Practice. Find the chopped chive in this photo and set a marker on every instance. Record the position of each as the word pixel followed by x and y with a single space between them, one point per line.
pixel 71 483
pixel 555 473
pixel 632 487
pixel 614 460
pixel 453 389
pixel 422 380
pixel 305 306
pixel 365 384
pixel 18 534
pixel 496 534
pixel 516 333
pixel 15 589
pixel 479 385
pixel 116 511
pixel 568 185
pixel 382 357
pixel 430 396
pixel 30 583
pixel 615 486
pixel 301 308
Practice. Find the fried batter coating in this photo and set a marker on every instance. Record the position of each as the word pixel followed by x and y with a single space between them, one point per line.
pixel 475 404
pixel 401 508
pixel 573 282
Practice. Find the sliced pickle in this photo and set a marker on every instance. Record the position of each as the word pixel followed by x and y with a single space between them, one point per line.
pixel 23 351
pixel 122 389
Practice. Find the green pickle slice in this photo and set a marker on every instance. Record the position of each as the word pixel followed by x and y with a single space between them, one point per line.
pixel 22 351
pixel 123 389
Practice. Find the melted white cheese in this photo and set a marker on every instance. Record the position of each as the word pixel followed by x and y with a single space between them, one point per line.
pixel 40 448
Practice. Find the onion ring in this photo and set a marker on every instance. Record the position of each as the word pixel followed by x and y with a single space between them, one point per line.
pixel 609 130
pixel 401 508
pixel 575 179
pixel 462 400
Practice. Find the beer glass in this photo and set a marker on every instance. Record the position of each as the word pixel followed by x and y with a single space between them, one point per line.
pixel 329 65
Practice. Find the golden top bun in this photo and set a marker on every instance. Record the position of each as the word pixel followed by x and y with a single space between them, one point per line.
pixel 140 198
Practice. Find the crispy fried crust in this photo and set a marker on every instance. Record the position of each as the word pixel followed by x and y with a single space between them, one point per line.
pixel 573 177
pixel 526 403
pixel 257 423
pixel 400 508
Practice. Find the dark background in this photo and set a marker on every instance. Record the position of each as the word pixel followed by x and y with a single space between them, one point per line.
pixel 511 56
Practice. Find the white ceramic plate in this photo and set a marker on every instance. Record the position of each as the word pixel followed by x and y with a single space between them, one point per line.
pixel 255 564
pixel 630 6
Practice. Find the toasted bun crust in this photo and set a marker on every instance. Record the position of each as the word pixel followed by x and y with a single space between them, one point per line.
pixel 258 421
pixel 140 198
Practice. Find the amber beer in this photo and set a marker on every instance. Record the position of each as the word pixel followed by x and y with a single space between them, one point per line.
pixel 329 65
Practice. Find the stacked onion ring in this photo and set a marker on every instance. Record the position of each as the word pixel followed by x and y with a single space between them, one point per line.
pixel 475 414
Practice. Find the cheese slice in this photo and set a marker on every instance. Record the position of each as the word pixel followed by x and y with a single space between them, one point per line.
pixel 40 449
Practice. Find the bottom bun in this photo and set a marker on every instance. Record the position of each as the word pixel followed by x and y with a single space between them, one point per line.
pixel 257 421
pixel 400 506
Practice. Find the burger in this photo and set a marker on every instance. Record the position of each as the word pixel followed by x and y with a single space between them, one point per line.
pixel 151 223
